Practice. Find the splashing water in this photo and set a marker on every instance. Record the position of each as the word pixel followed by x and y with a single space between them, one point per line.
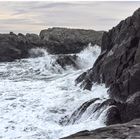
pixel 88 56
pixel 35 95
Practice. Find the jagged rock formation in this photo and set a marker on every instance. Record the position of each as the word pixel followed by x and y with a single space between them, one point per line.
pixel 63 40
pixel 55 40
pixel 118 66
pixel 129 130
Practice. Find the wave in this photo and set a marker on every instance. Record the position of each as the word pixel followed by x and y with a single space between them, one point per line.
pixel 84 59
pixel 39 97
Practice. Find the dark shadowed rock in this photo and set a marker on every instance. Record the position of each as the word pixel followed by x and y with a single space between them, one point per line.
pixel 34 40
pixel 55 41
pixel 12 48
pixel 80 78
pixel 132 107
pixel 77 114
pixel 118 65
pixel 113 115
pixel 66 41
pixel 92 108
pixel 124 112
pixel 130 130
pixel 67 60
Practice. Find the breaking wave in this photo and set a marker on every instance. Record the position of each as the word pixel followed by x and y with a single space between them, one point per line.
pixel 39 99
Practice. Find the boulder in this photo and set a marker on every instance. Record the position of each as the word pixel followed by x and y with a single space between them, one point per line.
pixel 124 112
pixel 113 115
pixel 67 60
pixel 132 109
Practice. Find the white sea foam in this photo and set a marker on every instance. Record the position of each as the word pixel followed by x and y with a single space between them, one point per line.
pixel 88 56
pixel 35 95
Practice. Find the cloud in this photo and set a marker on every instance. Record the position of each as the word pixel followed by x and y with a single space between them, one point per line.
pixel 32 16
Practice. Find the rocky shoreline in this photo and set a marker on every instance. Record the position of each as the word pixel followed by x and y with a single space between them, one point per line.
pixel 118 66
pixel 54 40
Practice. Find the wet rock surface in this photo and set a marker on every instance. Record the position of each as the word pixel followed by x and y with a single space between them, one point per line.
pixel 94 108
pixel 130 130
pixel 77 114
pixel 132 107
pixel 67 60
pixel 118 66
pixel 113 115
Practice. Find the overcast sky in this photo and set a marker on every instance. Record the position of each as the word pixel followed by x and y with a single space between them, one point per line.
pixel 34 16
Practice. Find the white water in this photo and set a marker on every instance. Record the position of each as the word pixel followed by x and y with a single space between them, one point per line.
pixel 35 95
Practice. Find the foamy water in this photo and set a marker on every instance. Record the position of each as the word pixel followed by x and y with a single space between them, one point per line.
pixel 35 96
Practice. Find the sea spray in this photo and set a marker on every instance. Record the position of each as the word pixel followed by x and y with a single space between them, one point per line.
pixel 36 95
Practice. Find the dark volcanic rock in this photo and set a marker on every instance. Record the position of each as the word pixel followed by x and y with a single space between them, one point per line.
pixel 118 65
pixel 66 41
pixel 55 41
pixel 92 108
pixel 67 60
pixel 130 130
pixel 132 109
pixel 76 115
pixel 12 48
pixel 123 112
pixel 113 115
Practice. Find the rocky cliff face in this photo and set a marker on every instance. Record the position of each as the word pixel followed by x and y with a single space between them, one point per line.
pixel 118 66
pixel 55 40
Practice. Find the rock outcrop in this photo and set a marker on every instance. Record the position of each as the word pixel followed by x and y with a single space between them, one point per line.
pixel 14 46
pixel 118 66
pixel 66 41
pixel 97 107
pixel 54 40
pixel 130 130
pixel 67 60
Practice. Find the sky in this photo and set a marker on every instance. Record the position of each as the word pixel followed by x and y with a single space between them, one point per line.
pixel 33 16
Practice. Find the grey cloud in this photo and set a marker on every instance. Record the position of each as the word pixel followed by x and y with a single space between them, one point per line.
pixel 33 15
